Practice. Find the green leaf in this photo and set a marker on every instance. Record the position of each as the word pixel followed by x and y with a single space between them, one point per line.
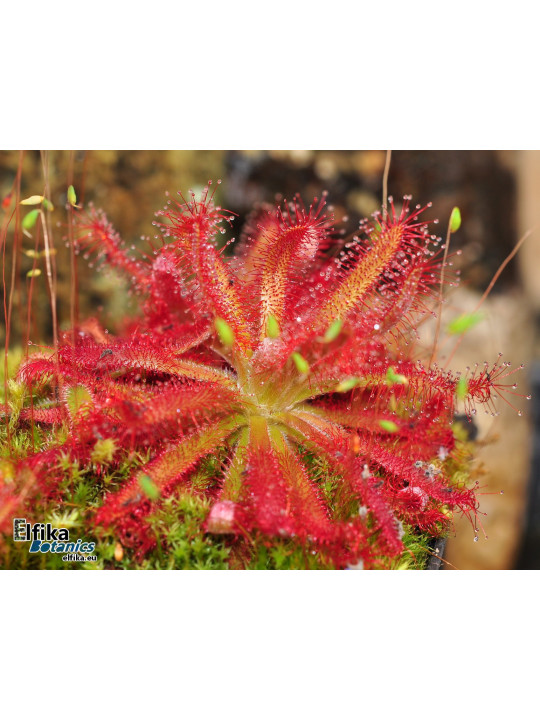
pixel 29 219
pixel 33 273
pixel 464 323
pixel 225 332
pixel 272 327
pixel 348 384
pixel 455 220
pixel 47 204
pixel 148 487
pixel 71 196
pixel 388 425
pixel 333 331
pixel 301 363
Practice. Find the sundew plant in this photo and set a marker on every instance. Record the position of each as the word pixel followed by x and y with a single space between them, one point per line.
pixel 273 407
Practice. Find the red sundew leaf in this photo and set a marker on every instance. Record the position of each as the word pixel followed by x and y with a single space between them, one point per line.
pixel 396 308
pixel 362 277
pixel 174 294
pixel 304 498
pixel 399 255
pixel 95 234
pixel 232 484
pixel 334 443
pixel 121 357
pixel 261 224
pixel 171 464
pixel 217 284
pixel 49 416
pixel 281 253
pixel 267 505
pixel 42 472
pixel 194 226
pixel 175 410
pixel 37 369
pixel 11 501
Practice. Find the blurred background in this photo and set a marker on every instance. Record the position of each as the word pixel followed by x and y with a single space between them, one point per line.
pixel 498 193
